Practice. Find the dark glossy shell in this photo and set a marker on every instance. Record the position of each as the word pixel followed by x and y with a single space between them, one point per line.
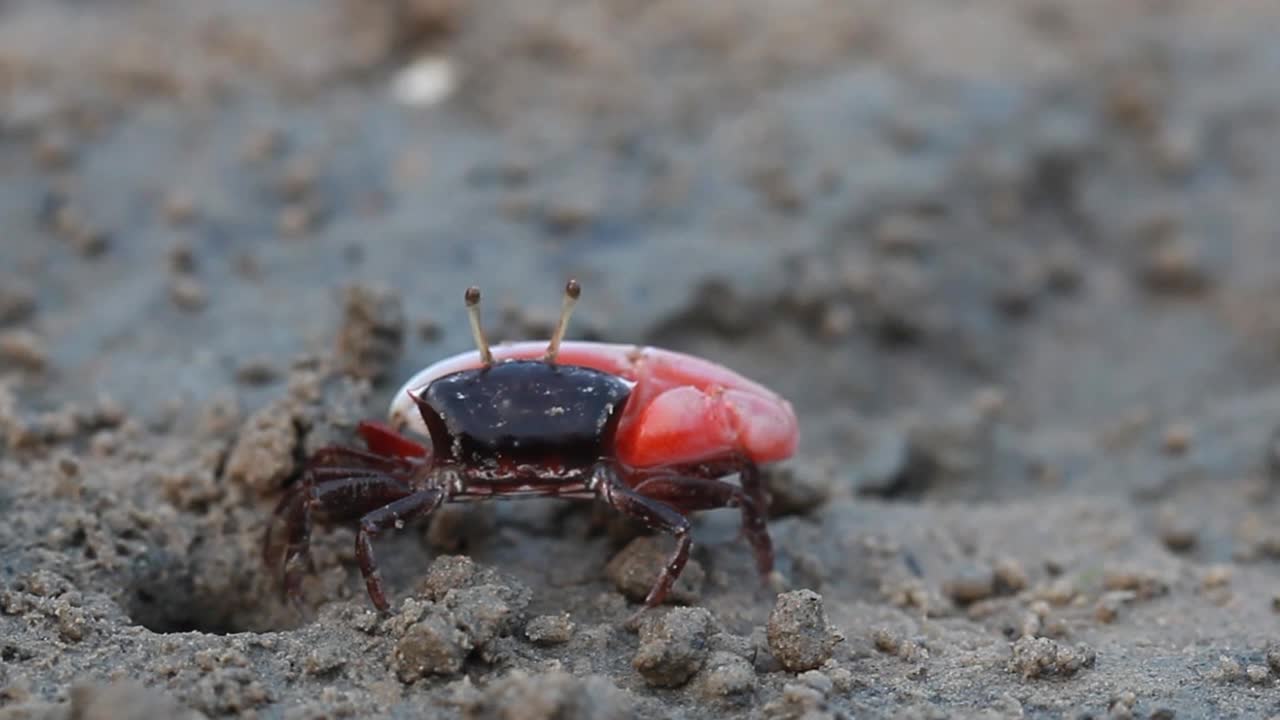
pixel 524 413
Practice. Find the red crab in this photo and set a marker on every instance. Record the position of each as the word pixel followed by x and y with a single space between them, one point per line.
pixel 650 432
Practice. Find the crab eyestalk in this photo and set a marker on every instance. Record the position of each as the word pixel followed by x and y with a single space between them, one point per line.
pixel 473 313
pixel 572 291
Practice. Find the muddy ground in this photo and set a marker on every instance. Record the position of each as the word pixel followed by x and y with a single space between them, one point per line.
pixel 1015 263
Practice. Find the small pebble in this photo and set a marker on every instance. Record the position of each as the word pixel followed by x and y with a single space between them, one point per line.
pixel 188 293
pixel 567 215
pixel 89 241
pixel 1035 657
pixel 1177 147
pixel 257 372
pixel 673 647
pixel 1175 266
pixel 322 661
pixel 17 303
pixel 1216 576
pixel 990 402
pixel 262 145
pixel 1228 670
pixel 970 583
pixel 1011 577
pixel 837 321
pixel 1145 583
pixel 1062 268
pixel 842 679
pixel 295 220
pixel 1122 703
pixel 1108 606
pixel 519 695
pixel 904 234
pixel 1176 532
pixel 299 179
pixel 727 678
pixel 182 257
pixel 886 641
pixel 1257 674
pixel 431 646
pixel 549 629
pixel 24 349
pixel 179 207
pixel 797 491
pixel 799 636
pixel 1177 439
pixel 122 699
pixel 1016 290
pixel 54 151
pixel 817 680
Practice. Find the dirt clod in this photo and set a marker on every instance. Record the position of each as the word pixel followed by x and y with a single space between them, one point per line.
pixel 1176 265
pixel 793 492
pixel 188 293
pixel 1037 657
pixel 970 583
pixel 486 612
pixel 431 646
pixel 673 647
pixel 1011 576
pixel 125 701
pixel 799 636
pixel 372 333
pixel 549 630
pixel 24 349
pixel 263 455
pixel 17 302
pixel 555 695
pixel 727 678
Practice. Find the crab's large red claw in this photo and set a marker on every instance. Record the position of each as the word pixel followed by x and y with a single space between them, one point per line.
pixel 686 424
pixel 380 438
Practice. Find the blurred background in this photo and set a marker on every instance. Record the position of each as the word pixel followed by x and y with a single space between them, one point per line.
pixel 1015 264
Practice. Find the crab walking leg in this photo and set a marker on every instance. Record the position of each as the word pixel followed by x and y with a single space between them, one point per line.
pixel 338 456
pixel 395 514
pixel 749 476
pixel 357 494
pixel 691 494
pixel 296 504
pixel 610 488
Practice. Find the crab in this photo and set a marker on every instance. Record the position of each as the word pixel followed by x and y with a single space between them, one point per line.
pixel 652 433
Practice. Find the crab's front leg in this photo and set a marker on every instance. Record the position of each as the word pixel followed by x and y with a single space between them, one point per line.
pixel 391 515
pixel 610 487
pixel 353 494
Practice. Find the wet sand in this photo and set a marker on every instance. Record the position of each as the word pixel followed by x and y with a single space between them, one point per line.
pixel 1015 264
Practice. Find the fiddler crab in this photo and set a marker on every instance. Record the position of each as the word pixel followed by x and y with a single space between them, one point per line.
pixel 650 432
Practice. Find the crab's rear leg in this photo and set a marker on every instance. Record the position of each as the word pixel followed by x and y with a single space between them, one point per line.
pixel 692 494
pixel 656 514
